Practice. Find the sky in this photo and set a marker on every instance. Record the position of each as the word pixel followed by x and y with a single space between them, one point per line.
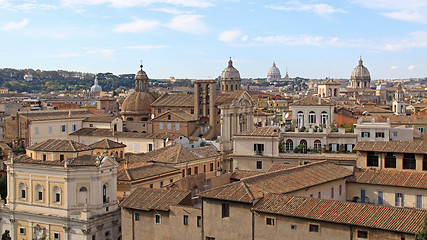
pixel 195 38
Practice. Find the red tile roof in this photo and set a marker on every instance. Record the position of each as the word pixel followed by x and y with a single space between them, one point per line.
pixel 262 131
pixel 59 145
pixel 364 215
pixel 312 101
pixel 145 171
pixel 390 178
pixel 284 181
pixel 154 199
pixel 107 144
pixel 419 147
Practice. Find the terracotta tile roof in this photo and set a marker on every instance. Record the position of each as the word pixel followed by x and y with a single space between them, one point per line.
pixel 106 144
pixel 225 99
pixel 284 181
pixel 312 101
pixel 104 119
pixel 278 167
pixel 419 147
pixel 4 146
pixel 59 145
pixel 329 82
pixel 174 100
pixel 154 199
pixel 146 171
pixel 184 116
pixel 58 114
pixel 262 131
pixel 103 132
pixel 408 120
pixel 357 214
pixel 240 174
pixel 390 178
pixel 83 160
pixel 204 152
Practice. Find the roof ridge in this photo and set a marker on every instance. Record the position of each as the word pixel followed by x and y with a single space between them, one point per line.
pixel 249 191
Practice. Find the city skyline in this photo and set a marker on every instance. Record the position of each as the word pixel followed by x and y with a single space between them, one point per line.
pixel 194 39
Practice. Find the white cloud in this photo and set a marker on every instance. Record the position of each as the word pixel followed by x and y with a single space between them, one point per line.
pixel 26 7
pixel 413 10
pixel 393 67
pixel 146 47
pixel 170 11
pixel 319 8
pixel 188 23
pixel 137 26
pixel 293 40
pixel 415 40
pixel 229 36
pixel 245 38
pixel 134 3
pixel 411 67
pixel 14 25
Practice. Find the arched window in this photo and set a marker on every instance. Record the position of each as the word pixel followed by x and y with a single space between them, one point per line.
pixel 82 196
pixel 300 119
pixel 39 192
pixel 289 145
pixel 121 154
pixel 105 198
pixel 312 117
pixel 231 86
pixel 56 194
pixel 304 143
pixel 129 119
pixel 317 145
pixel 22 191
pixel 324 116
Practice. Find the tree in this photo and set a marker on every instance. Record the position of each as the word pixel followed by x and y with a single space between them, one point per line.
pixel 6 235
pixel 422 235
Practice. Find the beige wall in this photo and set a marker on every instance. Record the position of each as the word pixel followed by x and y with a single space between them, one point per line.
pixel 237 226
pixel 54 156
pixel 244 145
pixel 327 231
pixel 145 228
pixel 40 130
pixel 410 194
pixel 178 229
pixel 362 161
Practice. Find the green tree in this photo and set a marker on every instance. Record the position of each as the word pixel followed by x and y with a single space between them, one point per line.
pixel 422 235
pixel 6 235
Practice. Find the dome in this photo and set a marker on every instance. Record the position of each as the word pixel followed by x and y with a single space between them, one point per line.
pixel 360 71
pixel 95 86
pixel 138 103
pixel 273 73
pixel 141 75
pixel 230 73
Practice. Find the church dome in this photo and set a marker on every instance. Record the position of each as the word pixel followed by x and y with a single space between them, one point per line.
pixel 138 103
pixel 360 71
pixel 274 73
pixel 230 73
pixel 95 86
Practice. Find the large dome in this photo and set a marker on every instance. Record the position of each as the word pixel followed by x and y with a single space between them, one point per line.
pixel 138 103
pixel 360 71
pixel 273 73
pixel 95 86
pixel 230 73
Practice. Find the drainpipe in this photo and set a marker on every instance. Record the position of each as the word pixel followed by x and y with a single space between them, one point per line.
pixel 253 225
pixel 203 223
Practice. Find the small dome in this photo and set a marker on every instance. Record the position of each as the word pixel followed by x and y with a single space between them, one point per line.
pixel 138 103
pixel 273 73
pixel 360 71
pixel 95 86
pixel 230 73
pixel 141 75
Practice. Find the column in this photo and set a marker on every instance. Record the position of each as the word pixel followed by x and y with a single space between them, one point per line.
pixel 212 110
pixel 196 99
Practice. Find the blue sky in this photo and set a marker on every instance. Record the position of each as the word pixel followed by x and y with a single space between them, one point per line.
pixel 195 38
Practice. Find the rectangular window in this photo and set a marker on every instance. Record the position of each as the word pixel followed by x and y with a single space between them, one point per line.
pixel 57 197
pixel 211 167
pixel 159 110
pixel 186 220
pixel 365 134
pixel 196 170
pixel 63 128
pixel 56 236
pixel 269 221
pixel 136 147
pixel 22 193
pixel 390 160
pixel 137 217
pixel 225 210
pixel 50 129
pixel 380 198
pixel 398 200
pixel 210 238
pixel 171 180
pixel 161 184
pixel 36 130
pixel 44 157
pixel 319 195
pixel 293 227
pixel 169 117
pixel 169 126
pixel 151 185
pixel 177 126
pixel 258 164
pixel 362 195
pixel 409 161
pixel 74 127
pixel 22 231
pixel 204 168
pixel 40 196
pixel 332 193
pixel 161 126
pixel 395 134
pixel 91 125
pixel 313 228
pixel 419 203
pixel 422 130
pixel 61 157
pixel 188 171
pixel 199 221
pixel 340 190
pixel 157 218
pixel 259 149
pixel 379 135
pixel 372 160
pixel 149 147
pixel 362 234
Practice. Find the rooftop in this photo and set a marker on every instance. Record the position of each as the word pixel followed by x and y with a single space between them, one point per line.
pixel 419 147
pixel 262 131
pixel 390 178
pixel 59 145
pixel 107 144
pixel 312 101
pixel 145 171
pixel 103 132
